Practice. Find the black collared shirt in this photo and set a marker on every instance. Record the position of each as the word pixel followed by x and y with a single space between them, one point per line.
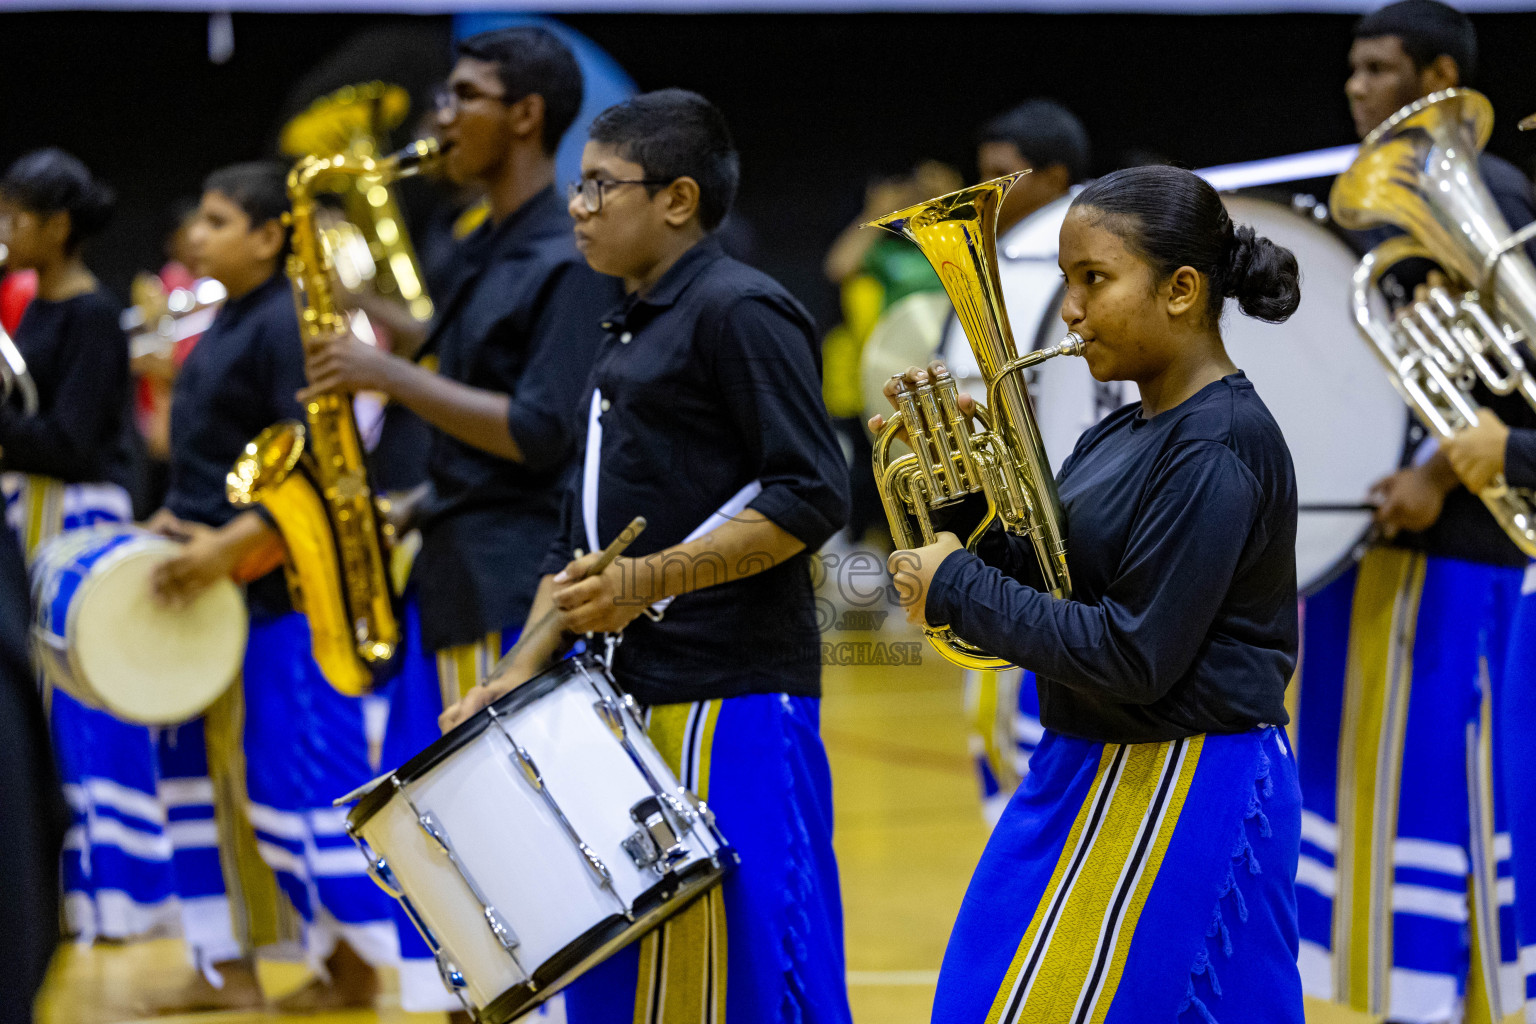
pixel 1181 541
pixel 240 379
pixel 520 317
pixel 709 383
pixel 1465 529
pixel 77 355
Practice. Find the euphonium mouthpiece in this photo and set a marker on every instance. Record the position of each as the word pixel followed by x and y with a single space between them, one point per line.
pixel 1073 344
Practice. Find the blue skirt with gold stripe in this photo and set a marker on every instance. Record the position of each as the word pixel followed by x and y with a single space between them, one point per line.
pixel 1135 882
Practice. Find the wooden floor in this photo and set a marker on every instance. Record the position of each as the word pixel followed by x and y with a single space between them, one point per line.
pixel 909 832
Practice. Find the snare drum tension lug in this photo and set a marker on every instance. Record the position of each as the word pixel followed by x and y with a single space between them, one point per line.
pixel 657 843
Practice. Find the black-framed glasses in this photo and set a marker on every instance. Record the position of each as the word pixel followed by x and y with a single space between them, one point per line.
pixel 451 98
pixel 591 189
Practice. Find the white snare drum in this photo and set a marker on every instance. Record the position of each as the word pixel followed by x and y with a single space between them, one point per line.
pixel 1345 425
pixel 536 839
pixel 101 636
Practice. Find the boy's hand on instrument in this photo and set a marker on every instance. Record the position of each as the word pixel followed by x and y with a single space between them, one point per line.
pixel 483 696
pixel 597 604
pixel 1407 500
pixel 343 363
pixel 165 523
pixel 206 559
pixel 1477 453
pixel 913 570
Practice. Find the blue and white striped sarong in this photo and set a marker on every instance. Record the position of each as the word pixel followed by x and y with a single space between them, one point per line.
pixel 1513 716
pixel 1129 883
pixel 305 745
pixel 118 872
pixel 1404 885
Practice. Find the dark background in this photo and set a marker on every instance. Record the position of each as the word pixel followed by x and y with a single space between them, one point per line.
pixel 818 102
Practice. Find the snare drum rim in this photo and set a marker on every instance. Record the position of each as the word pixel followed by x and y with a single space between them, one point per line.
pixel 466 732
pixel 701 876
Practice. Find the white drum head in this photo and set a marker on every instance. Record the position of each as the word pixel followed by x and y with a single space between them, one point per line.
pixel 1344 422
pixel 147 662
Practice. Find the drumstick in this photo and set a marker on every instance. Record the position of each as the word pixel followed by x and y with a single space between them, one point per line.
pixel 625 538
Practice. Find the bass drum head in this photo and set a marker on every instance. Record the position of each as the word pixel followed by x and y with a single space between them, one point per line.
pixel 147 662
pixel 1343 420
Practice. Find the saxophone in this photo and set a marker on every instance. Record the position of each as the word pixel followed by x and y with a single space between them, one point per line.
pixel 311 477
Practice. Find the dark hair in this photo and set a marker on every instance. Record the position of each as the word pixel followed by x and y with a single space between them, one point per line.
pixel 1045 133
pixel 51 181
pixel 259 188
pixel 1172 218
pixel 673 133
pixel 1427 29
pixel 533 61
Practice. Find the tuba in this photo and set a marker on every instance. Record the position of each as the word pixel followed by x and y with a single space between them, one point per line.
pixel 1418 172
pixel 1004 462
pixel 311 477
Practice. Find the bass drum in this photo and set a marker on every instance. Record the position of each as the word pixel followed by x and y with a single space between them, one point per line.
pixel 1345 425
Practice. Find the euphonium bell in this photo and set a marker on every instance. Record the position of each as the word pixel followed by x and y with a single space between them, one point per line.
pixel 1417 171
pixel 1004 462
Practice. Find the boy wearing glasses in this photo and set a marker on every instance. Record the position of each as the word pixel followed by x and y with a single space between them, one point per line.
pixel 705 416
pixel 514 338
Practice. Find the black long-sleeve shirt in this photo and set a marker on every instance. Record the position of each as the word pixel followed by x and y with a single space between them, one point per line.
pixel 519 318
pixel 1182 550
pixel 1465 529
pixel 706 385
pixel 240 379
pixel 77 355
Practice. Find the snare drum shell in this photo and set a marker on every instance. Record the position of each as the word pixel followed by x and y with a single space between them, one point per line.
pixel 100 636
pixel 513 847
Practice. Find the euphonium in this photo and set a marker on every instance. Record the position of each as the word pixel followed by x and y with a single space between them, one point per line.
pixel 313 479
pixel 1004 461
pixel 1418 172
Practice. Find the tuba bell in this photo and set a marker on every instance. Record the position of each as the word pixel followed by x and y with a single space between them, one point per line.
pixel 1004 462
pixel 1417 171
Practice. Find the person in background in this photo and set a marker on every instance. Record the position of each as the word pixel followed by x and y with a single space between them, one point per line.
pixel 513 337
pixel 66 468
pixel 1402 894
pixel 303 743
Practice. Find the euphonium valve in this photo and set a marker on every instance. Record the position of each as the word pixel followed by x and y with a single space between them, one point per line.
pixel 1417 171
pixel 1003 463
